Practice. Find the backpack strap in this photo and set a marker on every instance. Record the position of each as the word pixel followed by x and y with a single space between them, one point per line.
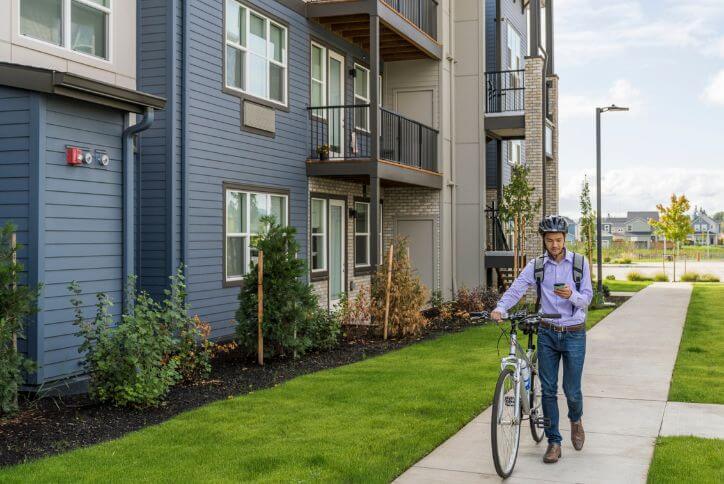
pixel 577 270
pixel 538 273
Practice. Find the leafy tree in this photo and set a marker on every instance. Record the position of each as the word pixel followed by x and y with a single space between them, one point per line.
pixel 518 207
pixel 17 302
pixel 407 294
pixel 674 223
pixel 718 217
pixel 291 322
pixel 588 223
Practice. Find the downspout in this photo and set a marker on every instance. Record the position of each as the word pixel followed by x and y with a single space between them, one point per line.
pixel 129 193
pixel 451 184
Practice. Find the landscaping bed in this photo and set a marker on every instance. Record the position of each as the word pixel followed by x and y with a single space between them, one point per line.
pixel 49 426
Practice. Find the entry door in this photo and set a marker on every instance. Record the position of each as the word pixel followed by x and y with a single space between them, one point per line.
pixel 336 250
pixel 335 97
pixel 420 242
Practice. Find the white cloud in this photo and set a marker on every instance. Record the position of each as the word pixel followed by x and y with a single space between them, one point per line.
pixel 641 188
pixel 714 92
pixel 621 93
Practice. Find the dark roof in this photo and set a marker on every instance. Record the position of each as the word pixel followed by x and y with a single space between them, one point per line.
pixel 645 216
pixel 77 87
pixel 614 220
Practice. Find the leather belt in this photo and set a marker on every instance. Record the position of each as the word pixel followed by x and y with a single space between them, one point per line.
pixel 563 329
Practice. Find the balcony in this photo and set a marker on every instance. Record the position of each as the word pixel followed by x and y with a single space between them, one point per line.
pixel 341 145
pixel 407 28
pixel 505 104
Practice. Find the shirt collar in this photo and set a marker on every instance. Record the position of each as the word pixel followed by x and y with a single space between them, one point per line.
pixel 568 257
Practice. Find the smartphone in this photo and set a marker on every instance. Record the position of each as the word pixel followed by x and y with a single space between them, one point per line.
pixel 559 285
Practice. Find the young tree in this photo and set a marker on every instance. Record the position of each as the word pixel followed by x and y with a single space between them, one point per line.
pixel 518 207
pixel 674 223
pixel 588 223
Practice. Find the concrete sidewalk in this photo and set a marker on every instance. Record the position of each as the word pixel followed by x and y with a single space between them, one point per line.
pixel 629 361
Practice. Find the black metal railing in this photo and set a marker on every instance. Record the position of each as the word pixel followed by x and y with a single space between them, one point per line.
pixel 549 100
pixel 497 239
pixel 408 142
pixel 422 13
pixel 343 132
pixel 505 91
pixel 340 132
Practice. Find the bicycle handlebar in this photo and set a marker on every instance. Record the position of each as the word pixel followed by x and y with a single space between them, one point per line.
pixel 522 316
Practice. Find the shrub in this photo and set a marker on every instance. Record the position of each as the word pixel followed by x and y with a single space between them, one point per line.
pixel 690 277
pixel 661 277
pixel 476 299
pixel 290 321
pixel 606 260
pixel 708 278
pixel 129 363
pixel 324 330
pixel 637 276
pixel 610 277
pixel 625 260
pixel 17 302
pixel 407 294
pixel 354 311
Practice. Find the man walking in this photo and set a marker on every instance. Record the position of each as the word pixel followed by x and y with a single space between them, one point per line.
pixel 563 283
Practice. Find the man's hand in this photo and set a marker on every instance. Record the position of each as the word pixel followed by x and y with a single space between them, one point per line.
pixel 496 315
pixel 564 292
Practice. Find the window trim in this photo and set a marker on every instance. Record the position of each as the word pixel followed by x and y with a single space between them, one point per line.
pixel 66 27
pixel 325 233
pixel 269 19
pixel 368 234
pixel 315 276
pixel 355 97
pixel 249 190
pixel 325 78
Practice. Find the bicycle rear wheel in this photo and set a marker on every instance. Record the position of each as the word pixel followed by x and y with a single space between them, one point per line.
pixel 505 424
pixel 536 401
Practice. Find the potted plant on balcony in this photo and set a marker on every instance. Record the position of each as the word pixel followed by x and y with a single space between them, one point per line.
pixel 323 152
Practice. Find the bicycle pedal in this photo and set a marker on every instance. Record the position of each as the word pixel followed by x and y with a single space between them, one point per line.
pixel 542 423
pixel 509 401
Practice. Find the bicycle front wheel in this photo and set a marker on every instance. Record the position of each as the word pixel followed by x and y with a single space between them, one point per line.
pixel 505 424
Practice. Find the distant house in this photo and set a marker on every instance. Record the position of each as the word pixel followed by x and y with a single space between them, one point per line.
pixel 572 229
pixel 706 229
pixel 634 228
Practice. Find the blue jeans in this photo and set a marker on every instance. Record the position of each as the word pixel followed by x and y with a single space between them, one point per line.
pixel 552 347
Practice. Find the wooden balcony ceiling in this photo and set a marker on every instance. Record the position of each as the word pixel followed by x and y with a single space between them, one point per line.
pixel 356 29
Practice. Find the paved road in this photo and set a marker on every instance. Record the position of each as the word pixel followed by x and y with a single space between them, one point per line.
pixel 630 358
pixel 651 268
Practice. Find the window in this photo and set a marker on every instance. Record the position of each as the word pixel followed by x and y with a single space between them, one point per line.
pixel 362 234
pixel 319 234
pixel 256 54
pixel 319 78
pixel 243 213
pixel 515 62
pixel 361 97
pixel 79 25
pixel 515 149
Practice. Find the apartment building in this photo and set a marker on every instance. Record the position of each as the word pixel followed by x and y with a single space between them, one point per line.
pixel 353 121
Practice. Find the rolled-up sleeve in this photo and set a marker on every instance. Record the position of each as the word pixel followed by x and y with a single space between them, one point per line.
pixel 518 289
pixel 582 299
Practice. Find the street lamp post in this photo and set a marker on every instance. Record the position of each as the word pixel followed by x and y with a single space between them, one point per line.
pixel 599 272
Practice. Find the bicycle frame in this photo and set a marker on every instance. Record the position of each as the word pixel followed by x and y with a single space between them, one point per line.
pixel 515 361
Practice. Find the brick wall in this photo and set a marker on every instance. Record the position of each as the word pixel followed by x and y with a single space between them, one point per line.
pixel 534 119
pixel 552 182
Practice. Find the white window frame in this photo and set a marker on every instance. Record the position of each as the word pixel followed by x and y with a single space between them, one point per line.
pixel 359 100
pixel 363 234
pixel 515 152
pixel 320 113
pixel 323 235
pixel 247 232
pixel 65 29
pixel 515 62
pixel 269 58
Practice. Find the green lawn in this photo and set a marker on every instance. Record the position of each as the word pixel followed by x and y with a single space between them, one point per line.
pixel 687 459
pixel 596 315
pixel 627 286
pixel 699 371
pixel 365 422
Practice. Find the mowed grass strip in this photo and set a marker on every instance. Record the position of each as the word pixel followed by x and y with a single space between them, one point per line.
pixel 594 316
pixel 626 286
pixel 699 371
pixel 365 422
pixel 687 459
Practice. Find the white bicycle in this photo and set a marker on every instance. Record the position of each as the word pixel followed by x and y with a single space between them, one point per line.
pixel 518 394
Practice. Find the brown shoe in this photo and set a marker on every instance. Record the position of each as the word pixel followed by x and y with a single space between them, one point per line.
pixel 553 453
pixel 578 436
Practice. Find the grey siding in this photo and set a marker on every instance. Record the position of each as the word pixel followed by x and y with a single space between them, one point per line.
pixel 83 224
pixel 15 139
pixel 218 151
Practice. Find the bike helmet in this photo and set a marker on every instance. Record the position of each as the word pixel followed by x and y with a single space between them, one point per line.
pixel 553 223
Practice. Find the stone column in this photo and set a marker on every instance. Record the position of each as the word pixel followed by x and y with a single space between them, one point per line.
pixel 534 119
pixel 552 182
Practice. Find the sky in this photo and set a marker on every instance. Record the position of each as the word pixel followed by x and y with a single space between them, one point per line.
pixel 664 59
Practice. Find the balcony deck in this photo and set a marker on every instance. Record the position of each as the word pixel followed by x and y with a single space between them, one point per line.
pixel 505 104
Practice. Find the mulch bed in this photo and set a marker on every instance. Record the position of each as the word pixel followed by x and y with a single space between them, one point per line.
pixel 50 426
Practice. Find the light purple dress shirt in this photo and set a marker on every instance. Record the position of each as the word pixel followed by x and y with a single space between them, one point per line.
pixel 572 310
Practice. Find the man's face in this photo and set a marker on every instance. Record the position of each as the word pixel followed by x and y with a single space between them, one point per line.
pixel 555 242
